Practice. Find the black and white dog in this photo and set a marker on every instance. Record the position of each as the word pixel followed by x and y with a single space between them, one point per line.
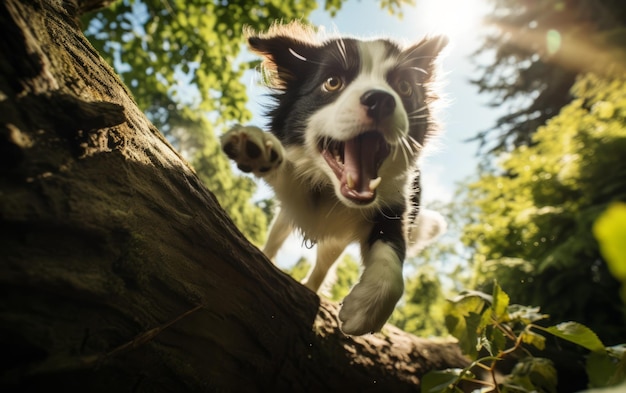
pixel 349 121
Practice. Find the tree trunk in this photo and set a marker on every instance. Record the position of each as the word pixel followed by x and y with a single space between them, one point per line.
pixel 118 269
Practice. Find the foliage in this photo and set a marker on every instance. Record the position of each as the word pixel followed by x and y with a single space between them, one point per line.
pixel 340 279
pixel 420 310
pixel 532 227
pixel 300 269
pixel 155 44
pixel 346 275
pixel 233 192
pixel 531 56
pixel 610 230
pixel 490 331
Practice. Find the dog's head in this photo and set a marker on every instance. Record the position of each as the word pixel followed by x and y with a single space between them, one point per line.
pixel 353 111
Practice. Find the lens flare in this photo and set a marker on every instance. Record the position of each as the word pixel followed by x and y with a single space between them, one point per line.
pixel 458 19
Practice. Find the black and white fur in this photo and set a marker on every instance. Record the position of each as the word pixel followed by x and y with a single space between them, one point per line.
pixel 349 121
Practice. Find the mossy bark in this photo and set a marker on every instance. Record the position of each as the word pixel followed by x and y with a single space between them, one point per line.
pixel 119 271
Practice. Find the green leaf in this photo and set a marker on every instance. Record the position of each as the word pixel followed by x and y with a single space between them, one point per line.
pixel 534 374
pixel 471 298
pixel 610 230
pixel 525 314
pixel 498 341
pixel 464 328
pixel 441 381
pixel 486 319
pixel 500 302
pixel 578 334
pixel 618 352
pixel 492 339
pixel 534 339
pixel 464 319
pixel 600 369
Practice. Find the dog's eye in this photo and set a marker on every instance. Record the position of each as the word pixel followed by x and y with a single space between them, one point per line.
pixel 333 83
pixel 404 88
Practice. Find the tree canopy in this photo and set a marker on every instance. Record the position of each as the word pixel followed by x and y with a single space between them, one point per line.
pixel 532 230
pixel 530 58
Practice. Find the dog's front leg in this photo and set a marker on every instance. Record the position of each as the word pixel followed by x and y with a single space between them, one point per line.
pixel 253 149
pixel 328 250
pixel 280 229
pixel 261 153
pixel 370 303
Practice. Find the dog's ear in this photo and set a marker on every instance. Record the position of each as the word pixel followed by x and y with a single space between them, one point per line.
pixel 424 54
pixel 287 52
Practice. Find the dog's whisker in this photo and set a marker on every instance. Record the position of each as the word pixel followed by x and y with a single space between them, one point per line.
pixel 418 110
pixel 412 59
pixel 405 154
pixel 417 117
pixel 395 153
pixel 421 70
pixel 364 216
pixel 418 146
pixel 405 143
pixel 333 207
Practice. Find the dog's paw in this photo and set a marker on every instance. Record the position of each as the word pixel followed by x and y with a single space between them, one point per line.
pixel 370 303
pixel 252 149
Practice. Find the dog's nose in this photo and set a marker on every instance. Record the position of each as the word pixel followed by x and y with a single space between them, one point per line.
pixel 379 103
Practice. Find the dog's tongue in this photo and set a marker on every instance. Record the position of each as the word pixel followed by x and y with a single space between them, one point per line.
pixel 362 158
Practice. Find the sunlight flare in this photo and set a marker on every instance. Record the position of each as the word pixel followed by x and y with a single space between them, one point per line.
pixel 458 19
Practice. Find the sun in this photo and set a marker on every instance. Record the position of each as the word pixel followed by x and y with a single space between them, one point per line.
pixel 458 19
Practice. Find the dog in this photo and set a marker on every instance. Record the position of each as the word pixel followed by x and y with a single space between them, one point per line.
pixel 349 120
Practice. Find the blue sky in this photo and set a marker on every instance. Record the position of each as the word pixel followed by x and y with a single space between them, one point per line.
pixel 450 159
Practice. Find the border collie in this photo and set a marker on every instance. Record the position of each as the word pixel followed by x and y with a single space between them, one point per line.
pixel 349 120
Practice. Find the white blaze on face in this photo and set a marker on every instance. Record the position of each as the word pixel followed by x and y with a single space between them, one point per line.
pixel 346 117
pixel 357 144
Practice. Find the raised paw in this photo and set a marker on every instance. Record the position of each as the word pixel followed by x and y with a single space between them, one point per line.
pixel 370 303
pixel 252 149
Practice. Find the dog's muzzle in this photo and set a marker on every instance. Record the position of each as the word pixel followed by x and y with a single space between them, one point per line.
pixel 355 162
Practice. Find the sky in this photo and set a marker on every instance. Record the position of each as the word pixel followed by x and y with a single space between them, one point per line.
pixel 450 159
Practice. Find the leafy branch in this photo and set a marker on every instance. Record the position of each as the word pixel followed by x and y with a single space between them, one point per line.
pixel 490 330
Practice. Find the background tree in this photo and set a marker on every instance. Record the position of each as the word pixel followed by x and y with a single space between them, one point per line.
pixel 346 275
pixel 234 192
pixel 532 226
pixel 531 56
pixel 421 309
pixel 340 278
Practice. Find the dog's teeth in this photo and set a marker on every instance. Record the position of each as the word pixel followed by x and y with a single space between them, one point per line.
pixel 374 183
pixel 350 181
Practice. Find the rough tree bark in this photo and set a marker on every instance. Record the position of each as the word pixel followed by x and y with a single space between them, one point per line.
pixel 118 269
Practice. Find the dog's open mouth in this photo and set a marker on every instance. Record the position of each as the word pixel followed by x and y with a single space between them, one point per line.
pixel 355 162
